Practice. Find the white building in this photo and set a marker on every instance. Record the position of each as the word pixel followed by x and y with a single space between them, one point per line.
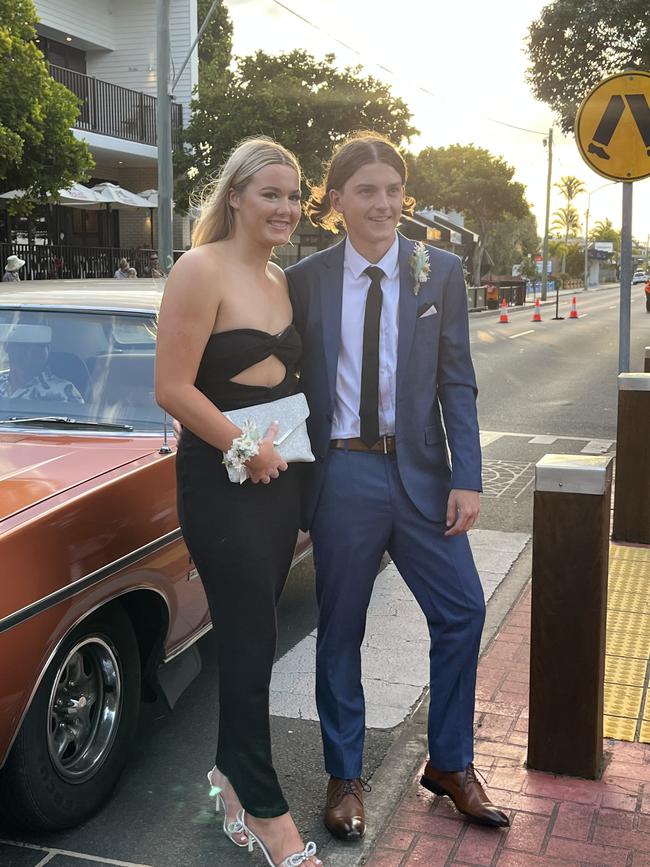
pixel 105 51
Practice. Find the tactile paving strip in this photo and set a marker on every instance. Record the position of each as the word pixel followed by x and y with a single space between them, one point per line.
pixel 627 707
pixel 622 669
pixel 619 728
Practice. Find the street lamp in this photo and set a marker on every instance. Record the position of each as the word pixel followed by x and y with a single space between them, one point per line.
pixel 589 195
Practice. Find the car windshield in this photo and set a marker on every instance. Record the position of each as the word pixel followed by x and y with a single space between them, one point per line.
pixel 79 370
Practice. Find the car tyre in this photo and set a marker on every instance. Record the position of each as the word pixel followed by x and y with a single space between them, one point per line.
pixel 74 740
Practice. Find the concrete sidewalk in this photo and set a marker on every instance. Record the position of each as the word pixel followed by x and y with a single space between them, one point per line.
pixel 395 651
pixel 555 821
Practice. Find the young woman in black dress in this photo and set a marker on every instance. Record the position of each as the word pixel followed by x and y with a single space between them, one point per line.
pixel 225 341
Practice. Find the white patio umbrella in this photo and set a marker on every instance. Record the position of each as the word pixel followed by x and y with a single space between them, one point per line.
pixel 118 197
pixel 114 196
pixel 151 196
pixel 76 195
pixel 79 196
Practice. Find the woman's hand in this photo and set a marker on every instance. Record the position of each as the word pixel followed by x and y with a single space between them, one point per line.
pixel 268 463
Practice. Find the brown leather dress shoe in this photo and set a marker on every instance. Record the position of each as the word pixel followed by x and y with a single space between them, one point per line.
pixel 345 817
pixel 467 794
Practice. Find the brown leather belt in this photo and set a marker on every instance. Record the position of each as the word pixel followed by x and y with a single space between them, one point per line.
pixel 384 446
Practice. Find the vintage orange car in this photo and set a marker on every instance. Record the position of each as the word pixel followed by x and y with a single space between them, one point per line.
pixel 99 599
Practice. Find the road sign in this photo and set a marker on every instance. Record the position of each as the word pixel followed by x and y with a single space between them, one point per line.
pixel 613 127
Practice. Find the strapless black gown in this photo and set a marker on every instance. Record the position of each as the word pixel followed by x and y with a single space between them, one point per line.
pixel 241 539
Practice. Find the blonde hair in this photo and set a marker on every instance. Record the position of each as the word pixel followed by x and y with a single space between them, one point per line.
pixel 217 219
pixel 359 149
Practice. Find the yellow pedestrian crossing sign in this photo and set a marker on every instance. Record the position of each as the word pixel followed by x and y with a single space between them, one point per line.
pixel 613 127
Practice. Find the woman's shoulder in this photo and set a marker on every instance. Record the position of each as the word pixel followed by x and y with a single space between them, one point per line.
pixel 276 273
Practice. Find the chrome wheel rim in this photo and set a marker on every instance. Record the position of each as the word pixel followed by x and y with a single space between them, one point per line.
pixel 84 709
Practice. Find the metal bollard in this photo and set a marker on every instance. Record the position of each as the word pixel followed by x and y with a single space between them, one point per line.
pixel 632 485
pixel 569 613
pixel 646 361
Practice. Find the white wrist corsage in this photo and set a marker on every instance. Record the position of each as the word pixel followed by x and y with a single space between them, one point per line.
pixel 420 267
pixel 242 449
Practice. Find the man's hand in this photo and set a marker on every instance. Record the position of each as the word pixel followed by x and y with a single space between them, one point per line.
pixel 463 509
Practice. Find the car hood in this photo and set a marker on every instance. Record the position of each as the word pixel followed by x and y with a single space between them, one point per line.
pixel 33 468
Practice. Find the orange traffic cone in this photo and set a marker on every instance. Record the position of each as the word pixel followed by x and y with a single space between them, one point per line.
pixel 574 311
pixel 537 314
pixel 504 311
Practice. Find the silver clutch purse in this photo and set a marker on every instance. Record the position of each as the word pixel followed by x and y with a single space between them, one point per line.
pixel 291 441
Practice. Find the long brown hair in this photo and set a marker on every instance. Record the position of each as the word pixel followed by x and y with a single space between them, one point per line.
pixel 357 150
pixel 217 219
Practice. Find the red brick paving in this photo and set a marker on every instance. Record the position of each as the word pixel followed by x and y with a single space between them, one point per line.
pixel 555 821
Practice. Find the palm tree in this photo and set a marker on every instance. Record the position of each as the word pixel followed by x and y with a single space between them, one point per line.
pixel 570 187
pixel 605 231
pixel 567 222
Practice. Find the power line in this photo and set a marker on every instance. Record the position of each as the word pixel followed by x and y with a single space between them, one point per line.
pixel 419 87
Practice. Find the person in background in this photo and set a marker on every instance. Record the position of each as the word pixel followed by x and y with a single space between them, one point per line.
pixel 12 267
pixel 132 273
pixel 647 296
pixel 29 376
pixel 122 272
pixel 153 268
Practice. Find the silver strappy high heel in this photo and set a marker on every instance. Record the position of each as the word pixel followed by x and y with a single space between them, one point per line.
pixel 290 861
pixel 229 828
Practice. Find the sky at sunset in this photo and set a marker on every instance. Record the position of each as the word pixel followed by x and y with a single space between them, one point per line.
pixel 470 57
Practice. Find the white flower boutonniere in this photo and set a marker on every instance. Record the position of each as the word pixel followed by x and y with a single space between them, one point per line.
pixel 420 266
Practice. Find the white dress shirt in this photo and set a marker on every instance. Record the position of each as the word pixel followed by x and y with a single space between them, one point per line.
pixel 345 423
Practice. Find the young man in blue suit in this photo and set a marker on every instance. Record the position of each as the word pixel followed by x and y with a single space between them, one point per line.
pixel 385 360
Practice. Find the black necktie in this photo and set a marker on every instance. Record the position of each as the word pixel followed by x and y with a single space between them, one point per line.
pixel 369 404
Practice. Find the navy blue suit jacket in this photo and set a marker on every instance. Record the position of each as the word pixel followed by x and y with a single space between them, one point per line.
pixel 435 376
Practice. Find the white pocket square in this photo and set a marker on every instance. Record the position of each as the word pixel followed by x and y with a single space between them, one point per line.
pixel 430 311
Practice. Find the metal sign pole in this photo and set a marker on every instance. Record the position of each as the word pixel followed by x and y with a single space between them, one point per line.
pixel 626 281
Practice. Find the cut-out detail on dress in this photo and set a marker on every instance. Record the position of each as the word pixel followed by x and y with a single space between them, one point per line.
pixel 229 353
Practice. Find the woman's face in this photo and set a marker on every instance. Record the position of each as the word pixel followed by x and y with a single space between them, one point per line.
pixel 268 208
pixel 371 203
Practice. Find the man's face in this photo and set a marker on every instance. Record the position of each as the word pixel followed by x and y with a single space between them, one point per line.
pixel 371 203
pixel 27 360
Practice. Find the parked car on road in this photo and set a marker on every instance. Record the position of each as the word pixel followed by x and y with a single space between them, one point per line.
pixel 640 277
pixel 98 595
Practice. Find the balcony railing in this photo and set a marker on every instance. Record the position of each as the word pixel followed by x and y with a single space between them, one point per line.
pixel 117 111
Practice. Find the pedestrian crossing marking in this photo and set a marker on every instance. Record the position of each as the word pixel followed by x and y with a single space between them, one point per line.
pixel 597 447
pixel 488 437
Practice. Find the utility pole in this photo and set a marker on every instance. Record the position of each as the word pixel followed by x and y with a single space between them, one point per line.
pixel 547 219
pixel 164 137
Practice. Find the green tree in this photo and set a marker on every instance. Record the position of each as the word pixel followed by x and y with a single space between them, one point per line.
pixel 570 187
pixel 603 230
pixel 470 180
pixel 575 43
pixel 306 104
pixel 38 152
pixel 215 48
pixel 566 222
pixel 567 219
pixel 511 241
